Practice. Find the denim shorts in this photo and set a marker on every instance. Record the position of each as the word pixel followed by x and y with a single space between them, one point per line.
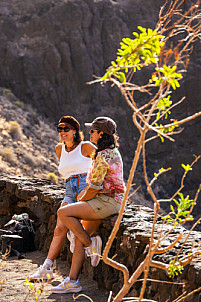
pixel 71 188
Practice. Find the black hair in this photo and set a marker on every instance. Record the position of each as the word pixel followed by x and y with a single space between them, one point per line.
pixel 107 141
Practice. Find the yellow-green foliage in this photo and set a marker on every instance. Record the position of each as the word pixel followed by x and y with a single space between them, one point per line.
pixel 8 152
pixel 9 156
pixel 19 104
pixel 36 289
pixel 14 125
pixel 8 93
pixel 15 130
pixel 53 178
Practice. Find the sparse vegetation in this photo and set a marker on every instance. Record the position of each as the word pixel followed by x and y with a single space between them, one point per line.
pixel 15 130
pixel 53 178
pixel 35 290
pixel 19 104
pixel 9 94
pixel 33 161
pixel 9 156
pixel 30 156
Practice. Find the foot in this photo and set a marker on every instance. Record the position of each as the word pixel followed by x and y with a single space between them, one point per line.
pixel 67 286
pixel 43 273
pixel 94 250
pixel 71 238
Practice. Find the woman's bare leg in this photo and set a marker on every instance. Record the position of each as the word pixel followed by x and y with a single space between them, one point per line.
pixel 77 260
pixel 70 216
pixel 58 239
pixel 79 252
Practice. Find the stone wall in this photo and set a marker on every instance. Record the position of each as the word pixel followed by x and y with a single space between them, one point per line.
pixel 40 199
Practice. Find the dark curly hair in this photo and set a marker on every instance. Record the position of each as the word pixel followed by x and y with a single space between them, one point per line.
pixel 107 141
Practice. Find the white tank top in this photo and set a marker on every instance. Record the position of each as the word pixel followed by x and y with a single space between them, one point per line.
pixel 73 162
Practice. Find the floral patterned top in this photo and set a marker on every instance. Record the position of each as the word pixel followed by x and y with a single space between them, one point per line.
pixel 106 174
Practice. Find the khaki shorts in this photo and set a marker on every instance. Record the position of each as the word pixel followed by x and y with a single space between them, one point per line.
pixel 104 205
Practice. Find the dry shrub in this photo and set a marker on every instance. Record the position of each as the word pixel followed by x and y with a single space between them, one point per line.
pixel 53 178
pixel 19 104
pixel 9 94
pixel 33 161
pixel 9 156
pixel 15 130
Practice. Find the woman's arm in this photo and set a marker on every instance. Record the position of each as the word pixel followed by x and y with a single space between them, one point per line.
pixel 88 149
pixel 58 149
pixel 99 170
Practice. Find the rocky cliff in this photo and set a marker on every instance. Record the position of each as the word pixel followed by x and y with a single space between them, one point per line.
pixel 41 200
pixel 49 50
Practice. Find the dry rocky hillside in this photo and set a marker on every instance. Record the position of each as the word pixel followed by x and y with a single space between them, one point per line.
pixel 27 140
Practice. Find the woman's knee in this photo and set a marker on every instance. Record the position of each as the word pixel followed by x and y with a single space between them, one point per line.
pixel 60 231
pixel 60 213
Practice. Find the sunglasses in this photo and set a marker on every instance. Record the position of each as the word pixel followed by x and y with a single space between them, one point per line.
pixel 93 130
pixel 65 129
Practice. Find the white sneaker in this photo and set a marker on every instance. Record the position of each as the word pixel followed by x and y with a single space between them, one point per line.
pixel 43 273
pixel 94 250
pixel 67 286
pixel 71 238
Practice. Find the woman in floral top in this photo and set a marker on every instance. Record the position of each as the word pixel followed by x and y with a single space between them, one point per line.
pixel 100 199
pixel 106 174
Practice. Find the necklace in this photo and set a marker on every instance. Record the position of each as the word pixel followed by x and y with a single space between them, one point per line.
pixel 68 149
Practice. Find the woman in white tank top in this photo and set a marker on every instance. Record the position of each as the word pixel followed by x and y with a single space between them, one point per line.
pixel 75 160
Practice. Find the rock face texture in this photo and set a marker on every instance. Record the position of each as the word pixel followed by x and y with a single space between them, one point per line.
pixel 41 200
pixel 49 50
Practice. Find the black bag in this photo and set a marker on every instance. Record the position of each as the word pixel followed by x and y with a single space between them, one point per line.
pixel 25 229
pixel 19 238
pixel 12 245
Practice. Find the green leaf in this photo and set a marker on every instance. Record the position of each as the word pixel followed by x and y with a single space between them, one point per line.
pixel 144 48
pixel 121 77
pixel 186 167
pixel 177 203
pixel 168 75
pixel 174 269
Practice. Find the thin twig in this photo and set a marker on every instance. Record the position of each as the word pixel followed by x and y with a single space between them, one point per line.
pixel 82 295
pixel 110 296
pixel 187 296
